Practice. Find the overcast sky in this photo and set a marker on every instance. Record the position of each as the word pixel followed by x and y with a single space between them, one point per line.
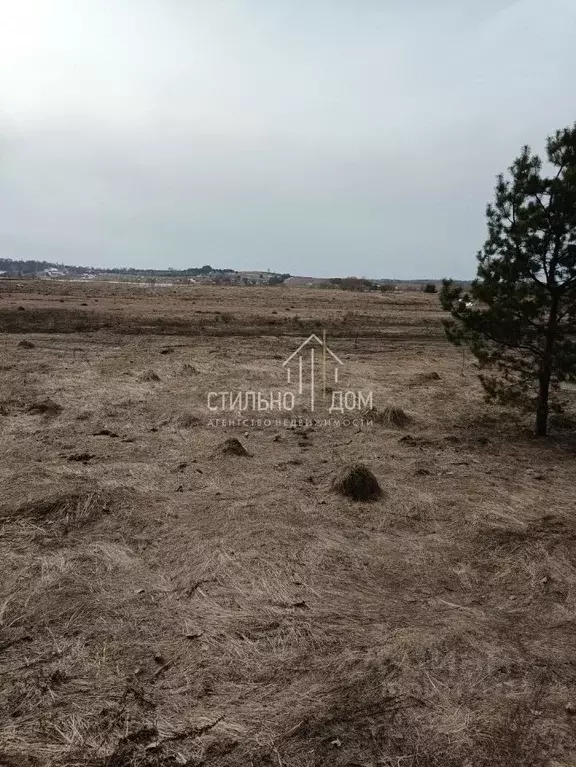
pixel 321 137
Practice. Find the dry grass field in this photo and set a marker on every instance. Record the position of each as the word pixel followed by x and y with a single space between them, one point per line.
pixel 165 603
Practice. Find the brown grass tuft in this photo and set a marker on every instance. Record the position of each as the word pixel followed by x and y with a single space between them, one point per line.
pixel 421 379
pixel 149 375
pixel 61 512
pixel 45 407
pixel 188 370
pixel 187 421
pixel 390 416
pixel 233 446
pixel 394 416
pixel 25 344
pixel 357 482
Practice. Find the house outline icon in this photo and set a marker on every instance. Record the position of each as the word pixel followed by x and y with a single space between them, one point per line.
pixel 299 355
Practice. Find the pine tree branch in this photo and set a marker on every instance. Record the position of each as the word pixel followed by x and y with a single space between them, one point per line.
pixel 507 344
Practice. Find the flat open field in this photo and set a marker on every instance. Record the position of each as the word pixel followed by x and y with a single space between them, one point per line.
pixel 165 603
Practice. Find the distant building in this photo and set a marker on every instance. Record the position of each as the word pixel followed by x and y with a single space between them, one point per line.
pixel 51 272
pixel 304 282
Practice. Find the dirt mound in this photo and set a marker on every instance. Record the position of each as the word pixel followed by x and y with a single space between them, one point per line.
pixel 233 446
pixel 357 482
pixel 149 375
pixel 44 407
pixel 26 345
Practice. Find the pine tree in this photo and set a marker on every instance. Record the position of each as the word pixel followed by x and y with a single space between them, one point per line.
pixel 519 320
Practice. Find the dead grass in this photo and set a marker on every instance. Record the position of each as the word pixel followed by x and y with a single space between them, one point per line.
pixel 162 604
pixel 393 416
pixel 149 375
pixel 424 379
pixel 187 421
pixel 188 370
pixel 45 407
pixel 61 513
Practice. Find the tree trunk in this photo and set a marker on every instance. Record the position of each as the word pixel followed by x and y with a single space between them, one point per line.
pixel 546 369
pixel 542 406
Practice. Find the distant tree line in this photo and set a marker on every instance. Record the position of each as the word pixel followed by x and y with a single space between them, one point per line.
pixel 32 267
pixel 352 283
pixel 359 284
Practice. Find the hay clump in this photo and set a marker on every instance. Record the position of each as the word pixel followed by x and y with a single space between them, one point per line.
pixel 187 421
pixel 25 344
pixel 421 379
pixel 390 416
pixel 394 416
pixel 59 513
pixel 358 483
pixel 233 446
pixel 44 407
pixel 149 375
pixel 188 370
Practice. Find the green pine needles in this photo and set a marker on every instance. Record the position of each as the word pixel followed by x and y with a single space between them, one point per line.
pixel 519 320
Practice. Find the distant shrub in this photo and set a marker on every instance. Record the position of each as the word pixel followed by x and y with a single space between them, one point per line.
pixel 430 287
pixel 356 283
pixel 278 279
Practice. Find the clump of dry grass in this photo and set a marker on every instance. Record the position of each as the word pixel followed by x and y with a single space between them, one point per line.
pixel 233 446
pixel 187 421
pixel 421 379
pixel 394 416
pixel 390 416
pixel 149 375
pixel 25 344
pixel 357 482
pixel 45 407
pixel 188 370
pixel 62 512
